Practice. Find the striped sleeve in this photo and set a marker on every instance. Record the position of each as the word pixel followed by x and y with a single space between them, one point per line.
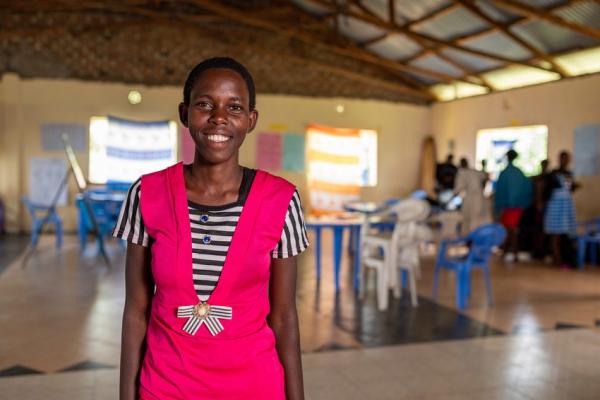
pixel 130 225
pixel 293 237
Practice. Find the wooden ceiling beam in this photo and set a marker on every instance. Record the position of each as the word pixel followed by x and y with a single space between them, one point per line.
pixel 472 6
pixel 548 16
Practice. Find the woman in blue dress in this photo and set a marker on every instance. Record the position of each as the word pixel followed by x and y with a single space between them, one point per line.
pixel 559 220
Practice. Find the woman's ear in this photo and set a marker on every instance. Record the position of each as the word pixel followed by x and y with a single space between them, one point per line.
pixel 253 118
pixel 183 114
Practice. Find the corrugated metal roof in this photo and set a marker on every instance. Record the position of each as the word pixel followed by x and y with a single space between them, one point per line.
pixel 584 13
pixel 500 44
pixel 452 24
pixel 415 9
pixel 379 7
pixel 497 13
pixel 435 63
pixel 456 21
pixel 543 3
pixel 395 47
pixel 357 30
pixel 552 38
pixel 313 8
pixel 471 62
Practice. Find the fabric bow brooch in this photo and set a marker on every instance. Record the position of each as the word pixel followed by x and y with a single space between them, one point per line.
pixel 203 313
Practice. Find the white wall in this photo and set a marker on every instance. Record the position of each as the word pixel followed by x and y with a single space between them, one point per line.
pixel 26 104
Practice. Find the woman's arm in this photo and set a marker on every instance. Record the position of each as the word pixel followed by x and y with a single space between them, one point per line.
pixel 284 322
pixel 139 288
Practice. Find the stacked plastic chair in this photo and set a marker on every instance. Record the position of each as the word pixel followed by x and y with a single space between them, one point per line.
pixel 480 242
pixel 589 240
pixel 40 216
pixel 389 253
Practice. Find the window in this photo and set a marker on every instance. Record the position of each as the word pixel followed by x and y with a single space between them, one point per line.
pixel 123 150
pixel 531 142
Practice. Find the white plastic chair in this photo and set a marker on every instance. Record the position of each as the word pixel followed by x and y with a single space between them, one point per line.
pixel 389 253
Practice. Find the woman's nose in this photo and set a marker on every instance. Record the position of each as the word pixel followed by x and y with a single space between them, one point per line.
pixel 218 116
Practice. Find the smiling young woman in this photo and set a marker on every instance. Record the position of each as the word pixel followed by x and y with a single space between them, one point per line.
pixel 210 308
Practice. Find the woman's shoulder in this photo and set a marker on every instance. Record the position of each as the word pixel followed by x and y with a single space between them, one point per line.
pixel 273 179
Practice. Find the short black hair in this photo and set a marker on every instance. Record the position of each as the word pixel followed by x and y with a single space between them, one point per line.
pixel 512 155
pixel 220 63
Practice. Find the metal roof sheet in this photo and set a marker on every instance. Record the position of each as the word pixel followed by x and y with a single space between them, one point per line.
pixel 395 47
pixel 358 30
pixel 583 13
pixel 471 62
pixel 452 24
pixel 313 8
pixel 414 9
pixel 542 3
pixel 497 13
pixel 435 63
pixel 500 44
pixel 552 38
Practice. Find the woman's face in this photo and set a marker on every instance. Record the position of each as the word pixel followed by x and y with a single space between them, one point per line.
pixel 218 115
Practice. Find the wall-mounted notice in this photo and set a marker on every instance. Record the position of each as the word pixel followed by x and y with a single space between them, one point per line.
pixel 52 136
pixel 586 150
pixel 45 178
pixel 123 150
pixel 269 151
pixel 293 152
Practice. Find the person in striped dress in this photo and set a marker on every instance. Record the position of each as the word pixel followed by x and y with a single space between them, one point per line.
pixel 219 110
pixel 559 219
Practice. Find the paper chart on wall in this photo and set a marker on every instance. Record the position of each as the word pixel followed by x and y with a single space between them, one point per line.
pixel 293 152
pixel 586 150
pixel 45 178
pixel 269 151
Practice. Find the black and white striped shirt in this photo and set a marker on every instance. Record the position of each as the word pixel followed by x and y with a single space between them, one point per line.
pixel 212 229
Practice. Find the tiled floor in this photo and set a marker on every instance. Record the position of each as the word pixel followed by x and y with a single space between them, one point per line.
pixel 62 312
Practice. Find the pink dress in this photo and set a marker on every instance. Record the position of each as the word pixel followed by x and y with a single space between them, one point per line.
pixel 239 362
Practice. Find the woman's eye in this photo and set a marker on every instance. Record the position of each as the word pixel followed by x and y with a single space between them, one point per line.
pixel 204 104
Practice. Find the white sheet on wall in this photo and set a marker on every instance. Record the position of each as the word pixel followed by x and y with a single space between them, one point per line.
pixel 45 178
pixel 123 150
pixel 586 150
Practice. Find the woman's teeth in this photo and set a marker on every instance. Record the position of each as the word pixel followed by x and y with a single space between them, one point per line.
pixel 218 138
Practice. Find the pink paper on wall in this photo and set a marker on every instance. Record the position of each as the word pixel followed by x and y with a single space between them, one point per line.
pixel 269 151
pixel 187 146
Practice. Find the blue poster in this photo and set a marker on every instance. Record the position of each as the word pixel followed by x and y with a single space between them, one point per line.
pixel 586 150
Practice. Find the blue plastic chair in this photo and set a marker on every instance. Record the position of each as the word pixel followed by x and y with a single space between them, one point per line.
pixel 106 214
pixel 591 238
pixel 40 216
pixel 481 242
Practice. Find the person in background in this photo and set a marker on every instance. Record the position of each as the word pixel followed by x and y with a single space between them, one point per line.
pixel 540 200
pixel 514 193
pixel 469 185
pixel 446 173
pixel 559 219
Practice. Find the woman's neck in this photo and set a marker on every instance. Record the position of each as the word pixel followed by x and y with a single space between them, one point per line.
pixel 214 179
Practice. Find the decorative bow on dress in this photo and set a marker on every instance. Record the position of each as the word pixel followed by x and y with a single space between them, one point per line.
pixel 203 313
